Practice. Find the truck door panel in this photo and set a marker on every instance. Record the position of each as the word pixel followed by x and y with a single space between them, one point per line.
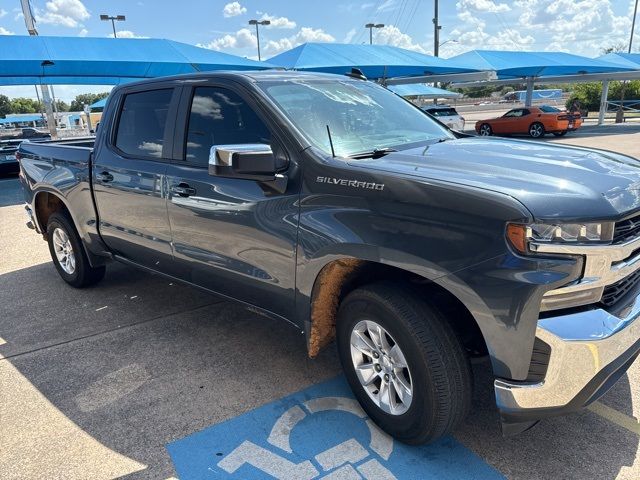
pixel 130 180
pixel 234 236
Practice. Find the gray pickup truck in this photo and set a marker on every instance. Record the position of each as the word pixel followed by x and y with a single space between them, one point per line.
pixel 333 204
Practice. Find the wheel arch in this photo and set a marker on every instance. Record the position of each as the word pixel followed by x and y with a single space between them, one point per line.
pixel 340 276
pixel 47 202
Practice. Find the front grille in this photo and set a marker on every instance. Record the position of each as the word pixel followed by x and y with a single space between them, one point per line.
pixel 626 230
pixel 616 291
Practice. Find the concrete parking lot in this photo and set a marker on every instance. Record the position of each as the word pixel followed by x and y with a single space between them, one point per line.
pixel 116 380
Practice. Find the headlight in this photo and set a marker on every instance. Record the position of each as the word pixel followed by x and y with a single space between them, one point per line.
pixel 520 235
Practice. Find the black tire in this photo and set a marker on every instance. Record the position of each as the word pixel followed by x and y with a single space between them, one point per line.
pixel 439 367
pixel 485 130
pixel 536 130
pixel 560 134
pixel 84 274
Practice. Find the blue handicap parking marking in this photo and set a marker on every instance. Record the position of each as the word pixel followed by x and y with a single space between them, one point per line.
pixel 318 433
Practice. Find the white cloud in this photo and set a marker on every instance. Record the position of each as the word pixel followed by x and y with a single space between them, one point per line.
pixel 83 33
pixel 3 12
pixel 349 36
pixel 278 22
pixel 579 26
pixel 66 13
pixel 126 34
pixel 243 38
pixel 386 6
pixel 4 31
pixel 233 9
pixel 304 35
pixel 488 6
pixel 391 35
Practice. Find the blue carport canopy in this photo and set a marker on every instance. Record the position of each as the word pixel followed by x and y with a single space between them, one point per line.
pixel 535 64
pixel 630 60
pixel 28 60
pixel 419 89
pixel 21 119
pixel 375 61
pixel 98 104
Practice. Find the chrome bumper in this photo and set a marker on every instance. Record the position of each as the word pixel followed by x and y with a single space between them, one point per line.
pixel 588 349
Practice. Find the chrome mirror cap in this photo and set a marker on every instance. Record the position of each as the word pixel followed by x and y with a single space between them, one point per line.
pixel 222 155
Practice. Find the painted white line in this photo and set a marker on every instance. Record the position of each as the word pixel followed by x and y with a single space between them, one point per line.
pixel 347 452
pixel 614 416
pixel 2 341
pixel 281 431
pixel 101 308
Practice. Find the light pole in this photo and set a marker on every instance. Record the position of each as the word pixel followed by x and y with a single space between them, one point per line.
pixel 436 30
pixel 117 18
pixel 371 26
pixel 256 23
pixel 633 25
pixel 453 40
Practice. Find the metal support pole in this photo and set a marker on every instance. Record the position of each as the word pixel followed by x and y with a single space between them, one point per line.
pixel 436 30
pixel 48 107
pixel 529 97
pixel 258 40
pixel 603 102
pixel 370 35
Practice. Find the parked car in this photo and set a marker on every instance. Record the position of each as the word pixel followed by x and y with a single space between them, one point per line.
pixel 335 205
pixel 447 115
pixel 534 121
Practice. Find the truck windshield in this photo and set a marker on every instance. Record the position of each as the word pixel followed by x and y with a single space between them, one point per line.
pixel 361 116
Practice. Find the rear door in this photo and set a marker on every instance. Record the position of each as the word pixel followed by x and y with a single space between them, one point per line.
pixel 129 176
pixel 234 236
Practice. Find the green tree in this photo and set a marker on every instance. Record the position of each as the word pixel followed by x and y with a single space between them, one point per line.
pixel 62 106
pixel 589 94
pixel 24 105
pixel 77 105
pixel 5 106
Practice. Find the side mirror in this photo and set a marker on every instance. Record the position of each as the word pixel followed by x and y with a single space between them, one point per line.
pixel 253 161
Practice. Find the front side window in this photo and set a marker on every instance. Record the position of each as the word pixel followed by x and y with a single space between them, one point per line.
pixel 142 123
pixel 220 116
pixel 361 116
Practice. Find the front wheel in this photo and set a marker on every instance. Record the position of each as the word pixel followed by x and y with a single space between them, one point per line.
pixel 68 255
pixel 536 130
pixel 403 362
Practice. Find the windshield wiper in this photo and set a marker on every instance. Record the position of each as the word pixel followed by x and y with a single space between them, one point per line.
pixel 375 153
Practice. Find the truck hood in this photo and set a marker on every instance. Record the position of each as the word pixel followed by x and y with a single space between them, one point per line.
pixel 553 181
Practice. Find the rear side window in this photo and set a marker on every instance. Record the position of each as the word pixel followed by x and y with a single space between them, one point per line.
pixel 220 116
pixel 142 123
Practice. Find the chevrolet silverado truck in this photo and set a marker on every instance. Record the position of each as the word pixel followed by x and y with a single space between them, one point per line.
pixel 337 206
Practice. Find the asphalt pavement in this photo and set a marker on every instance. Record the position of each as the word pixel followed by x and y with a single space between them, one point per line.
pixel 138 376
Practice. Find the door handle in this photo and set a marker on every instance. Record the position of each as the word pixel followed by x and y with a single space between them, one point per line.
pixel 183 190
pixel 104 177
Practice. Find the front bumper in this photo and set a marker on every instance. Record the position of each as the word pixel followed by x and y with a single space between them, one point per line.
pixel 590 351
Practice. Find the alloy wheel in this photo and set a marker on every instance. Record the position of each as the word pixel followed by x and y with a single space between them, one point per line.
pixel 381 367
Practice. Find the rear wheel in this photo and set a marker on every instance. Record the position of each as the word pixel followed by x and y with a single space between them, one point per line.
pixel 68 255
pixel 403 362
pixel 536 130
pixel 485 130
pixel 560 134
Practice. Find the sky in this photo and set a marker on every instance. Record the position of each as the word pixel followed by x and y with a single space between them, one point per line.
pixel 583 27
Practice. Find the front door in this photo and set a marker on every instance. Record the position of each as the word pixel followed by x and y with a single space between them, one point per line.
pixel 129 179
pixel 234 236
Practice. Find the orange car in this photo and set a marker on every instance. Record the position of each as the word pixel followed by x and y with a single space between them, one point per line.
pixel 536 121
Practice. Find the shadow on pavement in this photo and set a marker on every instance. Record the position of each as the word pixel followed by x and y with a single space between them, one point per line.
pixel 10 192
pixel 579 445
pixel 163 361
